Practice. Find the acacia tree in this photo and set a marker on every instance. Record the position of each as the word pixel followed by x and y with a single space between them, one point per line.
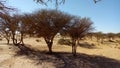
pixel 5 20
pixel 5 9
pixel 100 36
pixel 25 25
pixel 49 23
pixel 90 35
pixel 110 36
pixel 28 24
pixel 4 31
pixel 118 35
pixel 13 26
pixel 4 26
pixel 22 25
pixel 77 29
pixel 10 23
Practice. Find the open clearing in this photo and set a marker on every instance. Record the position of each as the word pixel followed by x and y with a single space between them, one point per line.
pixel 106 55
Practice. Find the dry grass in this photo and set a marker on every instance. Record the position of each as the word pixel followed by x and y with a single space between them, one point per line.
pixel 91 54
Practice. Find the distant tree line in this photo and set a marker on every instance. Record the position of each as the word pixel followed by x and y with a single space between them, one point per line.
pixel 100 37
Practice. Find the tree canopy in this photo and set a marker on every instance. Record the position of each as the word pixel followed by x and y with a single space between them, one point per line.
pixel 77 29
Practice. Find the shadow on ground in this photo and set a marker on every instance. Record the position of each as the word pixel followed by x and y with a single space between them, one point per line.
pixel 66 60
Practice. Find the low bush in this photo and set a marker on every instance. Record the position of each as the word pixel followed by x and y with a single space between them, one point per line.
pixel 64 41
pixel 37 40
pixel 0 39
pixel 111 40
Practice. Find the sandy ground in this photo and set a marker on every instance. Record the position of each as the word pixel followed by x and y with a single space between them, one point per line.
pixel 106 51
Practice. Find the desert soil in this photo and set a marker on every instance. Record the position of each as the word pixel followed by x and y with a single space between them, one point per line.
pixel 106 55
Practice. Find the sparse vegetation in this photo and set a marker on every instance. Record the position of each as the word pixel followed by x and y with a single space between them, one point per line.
pixel 64 41
pixel 77 29
pixel 48 24
pixel 25 34
pixel 37 40
pixel 0 39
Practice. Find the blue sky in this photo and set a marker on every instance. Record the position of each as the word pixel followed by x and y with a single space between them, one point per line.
pixel 105 14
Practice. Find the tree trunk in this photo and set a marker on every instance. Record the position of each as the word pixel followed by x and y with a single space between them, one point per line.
pixel 30 35
pixel 50 46
pixel 74 47
pixel 102 40
pixel 97 39
pixel 21 39
pixel 91 37
pixel 13 39
pixel 7 36
pixel 8 41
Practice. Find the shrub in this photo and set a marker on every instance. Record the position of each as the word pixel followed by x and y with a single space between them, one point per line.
pixel 64 41
pixel 111 41
pixel 0 39
pixel 37 40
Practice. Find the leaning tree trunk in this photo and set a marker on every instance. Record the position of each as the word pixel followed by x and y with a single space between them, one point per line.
pixel 74 46
pixel 13 38
pixel 102 40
